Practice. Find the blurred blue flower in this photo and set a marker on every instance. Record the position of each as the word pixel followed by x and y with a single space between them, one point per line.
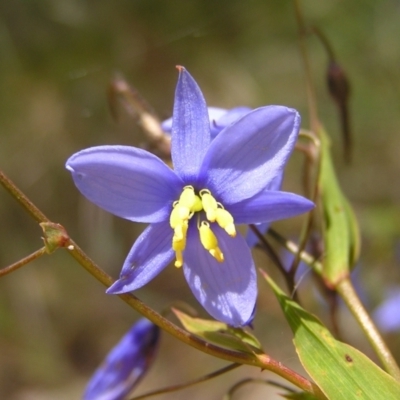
pixel 126 364
pixel 387 315
pixel 193 209
pixel 219 118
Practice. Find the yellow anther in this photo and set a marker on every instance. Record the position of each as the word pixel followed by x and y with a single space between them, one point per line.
pixel 179 259
pixel 187 197
pixel 174 218
pixel 217 254
pixel 198 205
pixel 225 221
pixel 210 241
pixel 180 233
pixel 210 205
pixel 179 242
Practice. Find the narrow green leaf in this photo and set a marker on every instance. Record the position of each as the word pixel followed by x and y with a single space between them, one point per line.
pixel 220 333
pixel 341 371
pixel 340 229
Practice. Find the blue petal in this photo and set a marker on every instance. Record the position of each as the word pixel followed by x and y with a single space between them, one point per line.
pixel 268 206
pixel 246 156
pixel 227 290
pixel 126 364
pixel 251 237
pixel 128 182
pixel 190 127
pixel 150 254
pixel 219 121
pixel 214 114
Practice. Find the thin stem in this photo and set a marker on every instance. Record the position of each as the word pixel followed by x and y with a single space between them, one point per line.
pixel 13 267
pixel 241 383
pixel 289 278
pixel 325 42
pixel 135 104
pixel 294 249
pixel 22 199
pixel 311 98
pixel 346 290
pixel 193 382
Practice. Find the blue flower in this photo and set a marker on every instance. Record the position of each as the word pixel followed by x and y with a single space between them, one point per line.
pixel 193 210
pixel 219 118
pixel 126 364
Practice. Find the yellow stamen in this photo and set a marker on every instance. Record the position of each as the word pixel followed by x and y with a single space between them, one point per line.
pixel 210 205
pixel 179 259
pixel 225 221
pixel 210 241
pixel 198 205
pixel 183 210
pixel 174 218
pixel 179 242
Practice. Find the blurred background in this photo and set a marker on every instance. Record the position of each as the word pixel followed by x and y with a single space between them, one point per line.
pixel 57 60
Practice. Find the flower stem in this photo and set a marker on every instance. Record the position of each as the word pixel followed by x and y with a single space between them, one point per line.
pixel 294 249
pixel 346 290
pixel 311 97
pixel 22 199
pixel 13 267
pixel 193 382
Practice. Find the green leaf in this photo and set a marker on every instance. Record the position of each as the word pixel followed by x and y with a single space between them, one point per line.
pixel 220 333
pixel 340 228
pixel 341 371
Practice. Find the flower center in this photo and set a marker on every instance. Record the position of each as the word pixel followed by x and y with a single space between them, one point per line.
pixel 185 208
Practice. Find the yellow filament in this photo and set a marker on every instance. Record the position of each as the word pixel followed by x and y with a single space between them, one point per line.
pixel 210 241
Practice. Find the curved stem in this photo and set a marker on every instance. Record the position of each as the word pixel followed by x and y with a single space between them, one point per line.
pixel 22 262
pixel 346 290
pixel 193 382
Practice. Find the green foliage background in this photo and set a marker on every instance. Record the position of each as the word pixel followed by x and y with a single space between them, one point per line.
pixel 58 56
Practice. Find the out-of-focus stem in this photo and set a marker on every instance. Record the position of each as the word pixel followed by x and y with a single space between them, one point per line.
pixel 294 249
pixel 22 262
pixel 346 290
pixel 175 388
pixel 311 98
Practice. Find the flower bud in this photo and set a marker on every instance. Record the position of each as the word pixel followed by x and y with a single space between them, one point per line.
pixel 126 364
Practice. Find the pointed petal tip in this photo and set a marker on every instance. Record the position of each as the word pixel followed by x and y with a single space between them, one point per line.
pixel 117 287
pixel 180 68
pixel 123 285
